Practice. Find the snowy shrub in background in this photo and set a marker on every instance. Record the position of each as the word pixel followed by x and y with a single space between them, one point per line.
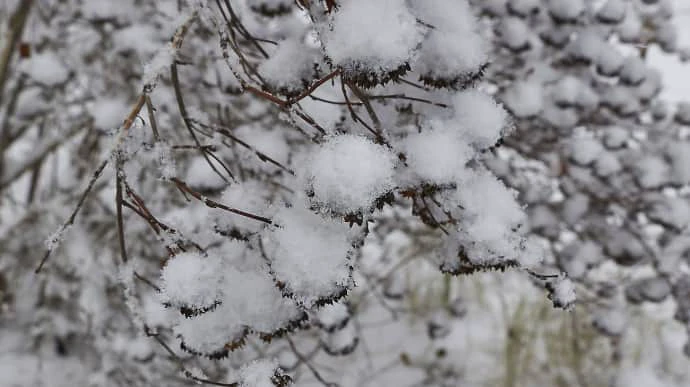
pixel 597 155
pixel 233 178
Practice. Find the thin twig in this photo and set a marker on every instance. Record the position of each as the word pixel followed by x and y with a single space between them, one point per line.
pixel 119 177
pixel 213 204
pixel 179 362
pixel 306 362
pixel 403 96
pixel 152 119
pixel 262 156
pixel 188 123
pixel 314 86
pixel 70 220
pixel 353 114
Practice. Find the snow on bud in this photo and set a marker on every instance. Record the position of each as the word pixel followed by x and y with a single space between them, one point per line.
pixel 191 281
pixel 651 172
pixel 250 303
pixel 585 150
pixel 211 334
pixel 482 121
pixel 652 289
pixel 612 12
pixel 607 164
pixel 309 254
pixel 562 292
pixel 491 217
pixel 523 8
pixel 586 46
pixel 453 52
pixel 671 212
pixel 633 71
pixel 372 41
pixel 566 10
pixel 253 299
pixel 437 155
pixel 524 98
pixel 348 173
pixel 291 67
pixel 515 34
pixel 610 61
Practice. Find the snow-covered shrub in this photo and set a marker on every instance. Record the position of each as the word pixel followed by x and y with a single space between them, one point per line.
pixel 227 196
pixel 596 152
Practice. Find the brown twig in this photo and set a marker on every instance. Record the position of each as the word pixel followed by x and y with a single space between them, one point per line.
pixel 70 220
pixel 188 123
pixel 119 181
pixel 262 156
pixel 306 362
pixel 213 204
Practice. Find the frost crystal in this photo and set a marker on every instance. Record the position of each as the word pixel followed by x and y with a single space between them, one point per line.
pixel 158 65
pixel 54 240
